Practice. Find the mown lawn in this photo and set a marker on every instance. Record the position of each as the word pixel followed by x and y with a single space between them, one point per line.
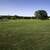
pixel 25 34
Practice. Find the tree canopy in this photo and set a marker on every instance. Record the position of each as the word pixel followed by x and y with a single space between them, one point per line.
pixel 41 14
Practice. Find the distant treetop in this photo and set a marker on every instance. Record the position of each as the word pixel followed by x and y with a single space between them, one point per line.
pixel 41 14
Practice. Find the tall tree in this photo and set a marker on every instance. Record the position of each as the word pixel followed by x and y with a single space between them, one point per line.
pixel 41 14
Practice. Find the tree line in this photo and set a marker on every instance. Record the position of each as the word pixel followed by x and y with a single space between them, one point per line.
pixel 16 17
pixel 39 14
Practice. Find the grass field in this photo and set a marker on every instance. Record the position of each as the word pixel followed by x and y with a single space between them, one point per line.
pixel 25 34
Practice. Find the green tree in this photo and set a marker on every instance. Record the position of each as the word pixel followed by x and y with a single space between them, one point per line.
pixel 41 14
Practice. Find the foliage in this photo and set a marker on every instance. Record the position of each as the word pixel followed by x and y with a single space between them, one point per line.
pixel 41 14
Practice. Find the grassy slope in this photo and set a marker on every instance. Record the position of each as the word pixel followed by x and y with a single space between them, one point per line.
pixel 25 34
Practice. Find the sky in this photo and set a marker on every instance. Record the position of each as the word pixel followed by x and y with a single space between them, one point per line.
pixel 23 7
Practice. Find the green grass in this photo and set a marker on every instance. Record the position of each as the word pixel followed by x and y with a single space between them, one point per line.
pixel 25 34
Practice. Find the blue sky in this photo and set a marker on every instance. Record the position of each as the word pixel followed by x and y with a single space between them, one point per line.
pixel 23 7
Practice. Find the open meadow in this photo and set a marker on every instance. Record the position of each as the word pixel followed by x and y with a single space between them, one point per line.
pixel 25 34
